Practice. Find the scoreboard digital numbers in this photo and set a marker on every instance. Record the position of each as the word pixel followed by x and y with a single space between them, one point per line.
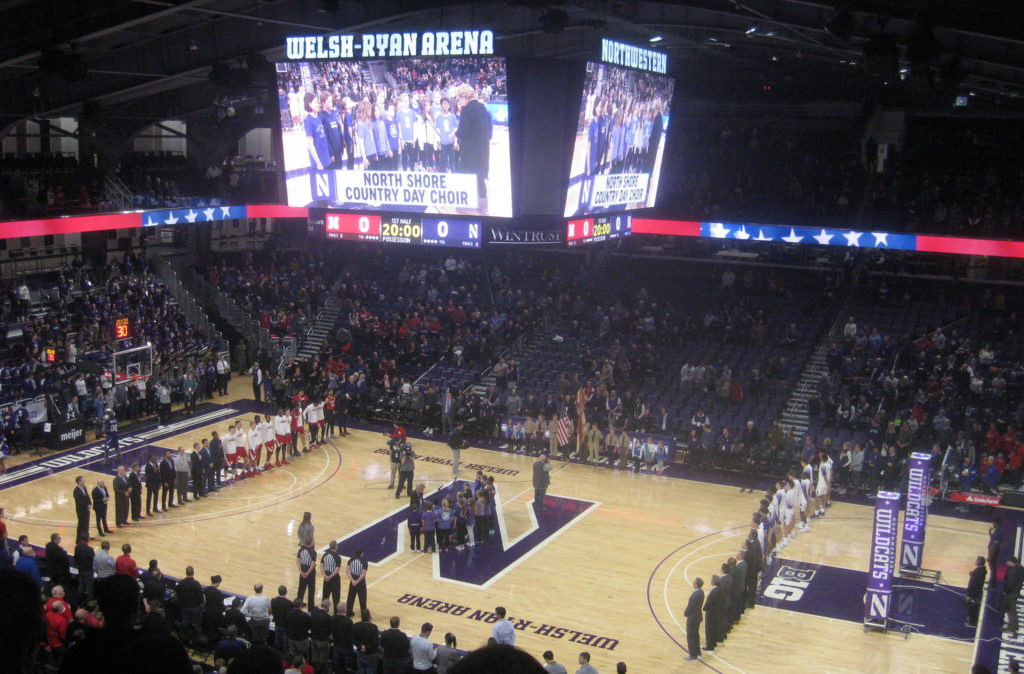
pixel 410 230
pixel 597 229
pixel 122 328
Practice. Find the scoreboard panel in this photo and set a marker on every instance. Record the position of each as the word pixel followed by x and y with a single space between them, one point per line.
pixel 122 328
pixel 599 228
pixel 402 229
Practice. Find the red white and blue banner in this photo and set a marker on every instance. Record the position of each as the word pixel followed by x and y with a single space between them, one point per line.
pixel 916 515
pixel 829 236
pixel 883 558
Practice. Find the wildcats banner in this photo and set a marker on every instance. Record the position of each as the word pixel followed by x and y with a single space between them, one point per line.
pixel 443 191
pixel 917 512
pixel 883 557
pixel 614 189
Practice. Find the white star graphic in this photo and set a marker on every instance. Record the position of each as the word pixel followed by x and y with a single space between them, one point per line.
pixel 208 212
pixel 823 238
pixel 718 231
pixel 149 221
pixel 171 220
pixel 742 234
pixel 225 211
pixel 792 238
pixel 881 238
pixel 192 215
pixel 853 238
pixel 761 236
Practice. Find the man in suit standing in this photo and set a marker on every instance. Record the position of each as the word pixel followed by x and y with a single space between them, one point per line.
pixel 217 455
pixel 197 472
pixel 85 557
pixel 100 497
pixel 167 481
pixel 121 498
pixel 207 459
pixel 975 589
pixel 59 565
pixel 82 504
pixel 752 555
pixel 152 474
pixel 1013 579
pixel 739 590
pixel 694 615
pixel 724 625
pixel 135 492
pixel 448 407
pixel 712 611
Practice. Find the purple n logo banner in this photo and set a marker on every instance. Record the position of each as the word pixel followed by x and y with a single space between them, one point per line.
pixel 883 557
pixel 479 566
pixel 917 512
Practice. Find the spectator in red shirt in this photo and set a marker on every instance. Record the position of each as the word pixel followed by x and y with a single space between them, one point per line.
pixel 992 439
pixel 125 565
pixel 57 619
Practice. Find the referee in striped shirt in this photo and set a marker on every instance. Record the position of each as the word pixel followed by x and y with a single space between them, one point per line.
pixel 356 572
pixel 330 564
pixel 306 561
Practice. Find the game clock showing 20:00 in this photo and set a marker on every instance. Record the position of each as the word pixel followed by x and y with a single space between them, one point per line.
pixel 122 328
pixel 403 229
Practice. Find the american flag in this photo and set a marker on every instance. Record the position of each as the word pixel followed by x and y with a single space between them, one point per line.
pixel 562 434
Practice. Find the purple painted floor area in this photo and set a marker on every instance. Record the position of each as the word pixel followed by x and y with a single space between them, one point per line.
pixel 834 592
pixel 480 564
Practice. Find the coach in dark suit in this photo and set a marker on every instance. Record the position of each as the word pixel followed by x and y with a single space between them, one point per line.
pixel 752 555
pixel 739 588
pixel 121 498
pixel 152 473
pixel 217 456
pixel 135 492
pixel 58 563
pixel 724 620
pixel 712 613
pixel 167 481
pixel 100 497
pixel 82 503
pixel 197 472
pixel 694 615
pixel 975 588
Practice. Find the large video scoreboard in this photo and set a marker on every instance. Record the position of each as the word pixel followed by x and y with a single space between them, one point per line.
pixel 403 229
pixel 598 228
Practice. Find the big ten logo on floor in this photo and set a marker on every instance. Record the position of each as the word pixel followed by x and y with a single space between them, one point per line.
pixel 789 583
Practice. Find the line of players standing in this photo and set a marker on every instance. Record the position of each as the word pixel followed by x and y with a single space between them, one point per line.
pixel 773 526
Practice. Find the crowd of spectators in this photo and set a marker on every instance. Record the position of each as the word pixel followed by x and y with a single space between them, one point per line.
pixel 281 291
pixel 84 609
pixel 52 325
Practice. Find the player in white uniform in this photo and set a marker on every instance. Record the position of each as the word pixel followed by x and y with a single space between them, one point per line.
pixel 269 441
pixel 309 415
pixel 230 440
pixel 283 431
pixel 775 509
pixel 790 506
pixel 254 445
pixel 824 490
pixel 321 421
pixel 805 499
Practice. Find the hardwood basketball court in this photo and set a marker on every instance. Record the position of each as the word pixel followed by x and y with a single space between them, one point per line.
pixel 608 571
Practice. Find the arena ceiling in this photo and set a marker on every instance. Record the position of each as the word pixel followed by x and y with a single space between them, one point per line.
pixel 164 59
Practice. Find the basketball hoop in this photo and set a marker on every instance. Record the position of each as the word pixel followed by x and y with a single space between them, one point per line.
pixel 928 495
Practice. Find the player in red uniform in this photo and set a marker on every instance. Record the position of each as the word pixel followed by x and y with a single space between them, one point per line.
pixel 298 430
